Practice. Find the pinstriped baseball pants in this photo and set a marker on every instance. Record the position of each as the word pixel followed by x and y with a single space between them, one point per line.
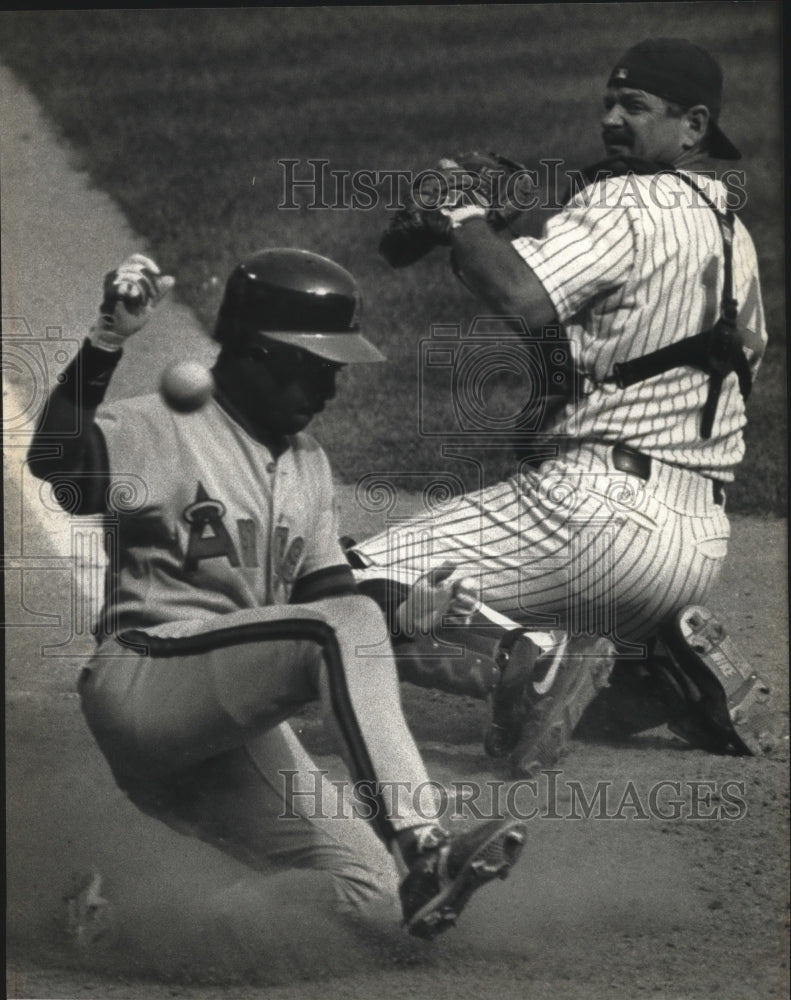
pixel 193 728
pixel 575 543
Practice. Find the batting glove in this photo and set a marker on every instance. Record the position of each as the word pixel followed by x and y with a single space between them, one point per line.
pixel 131 293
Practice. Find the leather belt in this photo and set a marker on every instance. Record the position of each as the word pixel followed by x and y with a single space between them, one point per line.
pixel 626 459
pixel 635 463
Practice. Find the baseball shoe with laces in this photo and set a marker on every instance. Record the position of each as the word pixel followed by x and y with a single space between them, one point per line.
pixel 519 656
pixel 446 869
pixel 729 698
pixel 555 699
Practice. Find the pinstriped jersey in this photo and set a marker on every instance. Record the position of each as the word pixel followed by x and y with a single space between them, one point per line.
pixel 632 264
pixel 209 522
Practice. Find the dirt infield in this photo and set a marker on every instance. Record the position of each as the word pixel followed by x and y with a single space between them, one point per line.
pixel 624 903
pixel 629 901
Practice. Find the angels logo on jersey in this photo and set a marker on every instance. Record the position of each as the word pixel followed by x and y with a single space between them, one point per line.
pixel 209 538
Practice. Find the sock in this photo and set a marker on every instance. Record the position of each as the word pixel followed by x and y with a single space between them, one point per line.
pixel 416 841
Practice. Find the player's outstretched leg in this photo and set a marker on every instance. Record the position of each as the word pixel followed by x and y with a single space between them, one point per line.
pixel 556 695
pixel 444 870
pixel 440 870
pixel 732 700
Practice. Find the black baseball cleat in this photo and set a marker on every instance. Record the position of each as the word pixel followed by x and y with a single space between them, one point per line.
pixel 450 868
pixel 555 700
pixel 732 700
pixel 518 657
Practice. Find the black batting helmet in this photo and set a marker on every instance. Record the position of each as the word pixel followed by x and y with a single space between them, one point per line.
pixel 298 298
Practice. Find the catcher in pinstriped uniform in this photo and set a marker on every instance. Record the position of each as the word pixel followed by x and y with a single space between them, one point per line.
pixel 613 543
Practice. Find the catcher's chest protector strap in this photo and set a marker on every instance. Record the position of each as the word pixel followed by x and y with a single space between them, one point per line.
pixel 717 351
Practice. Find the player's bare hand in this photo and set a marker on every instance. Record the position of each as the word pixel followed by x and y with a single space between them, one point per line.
pixel 444 595
pixel 131 293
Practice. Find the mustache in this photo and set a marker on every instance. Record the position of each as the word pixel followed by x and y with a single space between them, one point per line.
pixel 616 137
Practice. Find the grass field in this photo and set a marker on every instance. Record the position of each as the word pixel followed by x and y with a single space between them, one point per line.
pixel 182 115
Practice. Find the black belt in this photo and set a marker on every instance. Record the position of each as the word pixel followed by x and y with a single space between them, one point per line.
pixel 635 463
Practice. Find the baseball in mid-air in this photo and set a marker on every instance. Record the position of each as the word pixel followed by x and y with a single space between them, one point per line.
pixel 186 385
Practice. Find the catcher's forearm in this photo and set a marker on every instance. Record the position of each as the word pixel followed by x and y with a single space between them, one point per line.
pixel 492 269
pixel 66 443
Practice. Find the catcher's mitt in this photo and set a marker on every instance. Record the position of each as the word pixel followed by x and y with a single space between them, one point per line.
pixel 495 183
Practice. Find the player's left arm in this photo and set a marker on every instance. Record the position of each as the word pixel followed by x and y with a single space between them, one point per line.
pixel 492 269
pixel 66 442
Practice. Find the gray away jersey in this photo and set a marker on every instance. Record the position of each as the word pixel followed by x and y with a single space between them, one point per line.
pixel 209 522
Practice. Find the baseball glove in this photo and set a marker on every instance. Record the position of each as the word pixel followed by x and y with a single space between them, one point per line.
pixel 495 183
